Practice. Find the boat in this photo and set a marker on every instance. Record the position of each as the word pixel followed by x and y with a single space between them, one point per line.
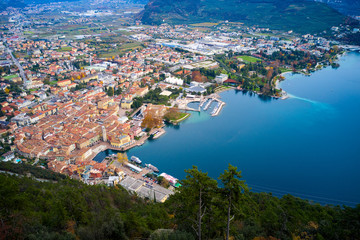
pixel 152 167
pixel 135 160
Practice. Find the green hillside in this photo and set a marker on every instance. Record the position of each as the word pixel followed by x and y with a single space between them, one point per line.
pixel 299 16
pixel 69 209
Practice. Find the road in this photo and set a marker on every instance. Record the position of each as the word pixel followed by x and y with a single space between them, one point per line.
pixel 22 73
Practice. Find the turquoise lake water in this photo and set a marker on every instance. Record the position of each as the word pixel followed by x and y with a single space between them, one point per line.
pixel 307 145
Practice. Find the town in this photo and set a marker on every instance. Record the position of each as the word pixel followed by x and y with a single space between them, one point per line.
pixel 78 83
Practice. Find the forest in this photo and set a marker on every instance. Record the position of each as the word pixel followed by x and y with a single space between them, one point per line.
pixel 202 208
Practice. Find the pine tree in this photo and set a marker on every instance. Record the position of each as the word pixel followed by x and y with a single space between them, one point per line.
pixel 232 190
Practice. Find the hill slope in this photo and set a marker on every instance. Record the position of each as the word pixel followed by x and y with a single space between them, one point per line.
pixel 68 209
pixel 23 3
pixel 348 7
pixel 301 16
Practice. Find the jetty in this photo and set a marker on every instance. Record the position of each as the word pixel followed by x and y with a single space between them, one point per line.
pixel 208 104
pixel 217 108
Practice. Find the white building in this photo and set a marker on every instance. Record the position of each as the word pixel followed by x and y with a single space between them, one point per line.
pixel 175 81
pixel 221 78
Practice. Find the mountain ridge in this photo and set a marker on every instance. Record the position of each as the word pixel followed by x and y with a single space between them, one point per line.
pixel 300 16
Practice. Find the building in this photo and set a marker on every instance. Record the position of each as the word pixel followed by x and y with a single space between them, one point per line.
pixel 103 104
pixel 231 82
pixel 175 81
pixel 88 78
pixel 126 104
pixel 8 156
pixel 63 83
pixel 141 188
pixel 119 141
pixel 221 78
pixel 104 137
pixel 196 89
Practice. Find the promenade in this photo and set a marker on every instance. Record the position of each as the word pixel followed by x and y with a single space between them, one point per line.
pixel 103 146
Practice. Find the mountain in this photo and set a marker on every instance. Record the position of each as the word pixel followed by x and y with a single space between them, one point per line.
pixel 299 15
pixel 347 7
pixel 23 3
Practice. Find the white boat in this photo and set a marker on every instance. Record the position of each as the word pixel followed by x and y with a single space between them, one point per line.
pixel 152 167
pixel 135 160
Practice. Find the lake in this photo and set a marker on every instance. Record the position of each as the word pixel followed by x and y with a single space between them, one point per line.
pixel 307 145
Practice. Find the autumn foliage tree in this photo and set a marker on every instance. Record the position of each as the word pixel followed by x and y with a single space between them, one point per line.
pixel 197 77
pixel 151 120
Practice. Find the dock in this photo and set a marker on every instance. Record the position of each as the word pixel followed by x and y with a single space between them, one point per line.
pixel 208 104
pixel 218 108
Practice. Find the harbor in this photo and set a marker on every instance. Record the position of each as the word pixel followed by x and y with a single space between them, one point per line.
pixel 205 103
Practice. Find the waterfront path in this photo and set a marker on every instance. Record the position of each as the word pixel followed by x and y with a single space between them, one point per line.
pixel 103 146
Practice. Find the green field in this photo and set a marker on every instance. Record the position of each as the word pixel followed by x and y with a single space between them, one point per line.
pixel 249 59
pixel 204 24
pixel 64 49
pixel 285 70
pixel 180 117
pixel 130 46
pixel 122 49
pixel 8 77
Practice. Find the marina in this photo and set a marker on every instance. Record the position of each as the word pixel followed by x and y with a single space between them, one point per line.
pixel 208 104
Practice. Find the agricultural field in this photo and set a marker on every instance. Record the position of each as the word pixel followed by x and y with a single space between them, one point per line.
pixel 204 24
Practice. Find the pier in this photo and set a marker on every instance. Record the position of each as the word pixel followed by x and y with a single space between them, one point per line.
pixel 218 108
pixel 208 104
pixel 207 101
pixel 183 103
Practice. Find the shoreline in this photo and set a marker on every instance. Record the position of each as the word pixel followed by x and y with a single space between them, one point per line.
pixel 102 147
pixel 284 94
pixel 142 140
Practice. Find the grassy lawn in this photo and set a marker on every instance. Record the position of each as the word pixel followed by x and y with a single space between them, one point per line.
pixel 221 88
pixel 8 77
pixel 64 49
pixel 181 117
pixel 249 59
pixel 53 82
pixel 282 70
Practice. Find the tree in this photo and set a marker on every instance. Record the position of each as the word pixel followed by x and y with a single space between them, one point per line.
pixel 196 194
pixel 233 188
pixel 118 91
pixel 172 114
pixel 110 92
pixel 151 120
pixel 47 80
pixel 122 158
